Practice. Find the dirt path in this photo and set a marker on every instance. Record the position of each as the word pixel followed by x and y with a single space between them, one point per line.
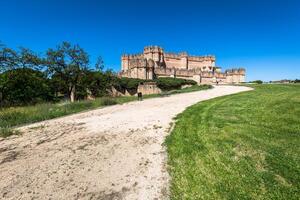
pixel 110 153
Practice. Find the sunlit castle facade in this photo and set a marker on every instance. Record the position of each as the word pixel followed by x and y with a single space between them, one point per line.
pixel 154 62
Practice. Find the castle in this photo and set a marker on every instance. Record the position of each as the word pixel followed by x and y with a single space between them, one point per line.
pixel 154 62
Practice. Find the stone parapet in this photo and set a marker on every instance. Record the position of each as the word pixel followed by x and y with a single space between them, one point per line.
pixel 153 49
pixel 202 58
pixel 236 71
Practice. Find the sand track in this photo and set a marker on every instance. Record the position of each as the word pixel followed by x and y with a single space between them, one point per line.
pixel 110 153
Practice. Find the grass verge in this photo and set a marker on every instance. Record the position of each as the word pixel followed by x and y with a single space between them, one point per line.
pixel 15 116
pixel 193 88
pixel 242 146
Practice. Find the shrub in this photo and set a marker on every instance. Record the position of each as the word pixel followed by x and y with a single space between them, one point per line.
pixel 23 86
pixel 98 82
pixel 257 82
pixel 129 84
pixel 166 84
pixel 173 83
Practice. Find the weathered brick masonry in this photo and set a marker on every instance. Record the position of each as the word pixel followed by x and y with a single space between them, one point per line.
pixel 154 62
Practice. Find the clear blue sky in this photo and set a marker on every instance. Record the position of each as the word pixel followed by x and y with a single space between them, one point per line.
pixel 261 35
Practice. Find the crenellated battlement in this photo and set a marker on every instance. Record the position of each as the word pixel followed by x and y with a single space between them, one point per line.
pixel 153 49
pixel 190 57
pixel 172 55
pixel 232 71
pixel 132 56
pixel 202 58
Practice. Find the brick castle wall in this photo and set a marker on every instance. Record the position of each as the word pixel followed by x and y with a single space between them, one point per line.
pixel 154 62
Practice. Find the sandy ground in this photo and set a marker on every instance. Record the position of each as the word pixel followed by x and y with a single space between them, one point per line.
pixel 112 153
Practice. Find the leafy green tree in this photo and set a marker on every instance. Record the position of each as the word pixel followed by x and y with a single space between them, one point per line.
pixel 24 58
pixel 98 82
pixel 70 63
pixel 23 86
pixel 257 82
pixel 28 59
pixel 57 86
pixel 99 66
pixel 68 74
pixel 8 58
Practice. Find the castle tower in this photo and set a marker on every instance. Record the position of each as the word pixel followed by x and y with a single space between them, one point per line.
pixel 242 73
pixel 125 62
pixel 155 53
pixel 184 60
pixel 235 75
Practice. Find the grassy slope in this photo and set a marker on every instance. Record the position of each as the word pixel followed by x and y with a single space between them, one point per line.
pixel 15 116
pixel 243 146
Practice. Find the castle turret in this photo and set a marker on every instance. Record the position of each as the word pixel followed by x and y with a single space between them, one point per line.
pixel 125 62
pixel 235 75
pixel 155 53
pixel 242 73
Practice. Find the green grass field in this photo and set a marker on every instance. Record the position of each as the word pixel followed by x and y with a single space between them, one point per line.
pixel 242 146
pixel 15 116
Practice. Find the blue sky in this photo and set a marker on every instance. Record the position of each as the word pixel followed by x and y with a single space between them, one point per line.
pixel 262 36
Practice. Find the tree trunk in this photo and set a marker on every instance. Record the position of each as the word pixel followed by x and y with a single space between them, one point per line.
pixel 1 97
pixel 72 93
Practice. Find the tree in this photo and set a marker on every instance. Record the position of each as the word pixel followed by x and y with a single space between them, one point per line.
pixel 257 82
pixel 24 58
pixel 8 58
pixel 70 62
pixel 23 86
pixel 99 82
pixel 57 86
pixel 99 66
pixel 28 59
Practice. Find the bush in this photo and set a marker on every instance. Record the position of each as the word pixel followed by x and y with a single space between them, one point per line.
pixel 257 82
pixel 129 84
pixel 166 84
pixel 98 82
pixel 173 83
pixel 23 86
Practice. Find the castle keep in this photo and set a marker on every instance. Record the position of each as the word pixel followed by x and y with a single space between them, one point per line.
pixel 154 62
